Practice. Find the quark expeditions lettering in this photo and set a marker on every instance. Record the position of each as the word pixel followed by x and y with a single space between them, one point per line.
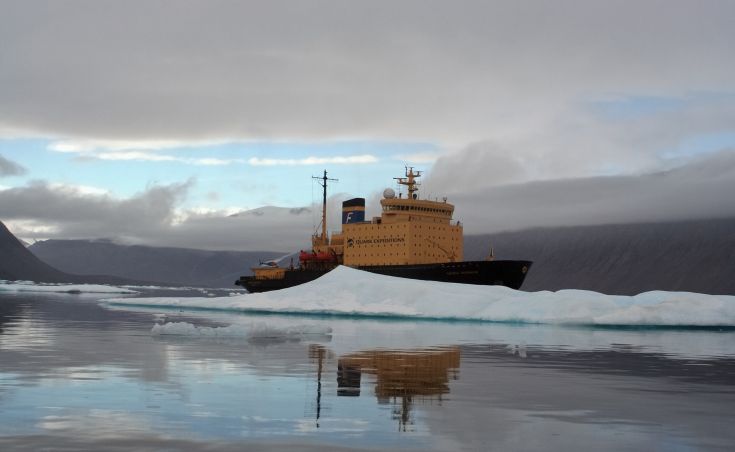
pixel 412 238
pixel 378 241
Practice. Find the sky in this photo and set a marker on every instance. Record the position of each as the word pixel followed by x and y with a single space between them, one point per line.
pixel 201 123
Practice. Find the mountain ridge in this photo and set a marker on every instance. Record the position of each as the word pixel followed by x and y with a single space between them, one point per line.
pixel 17 262
pixel 626 259
pixel 173 265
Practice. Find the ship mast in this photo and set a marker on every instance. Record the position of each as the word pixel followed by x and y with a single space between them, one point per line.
pixel 323 183
pixel 410 181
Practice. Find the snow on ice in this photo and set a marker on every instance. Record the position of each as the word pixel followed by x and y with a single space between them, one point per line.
pixel 346 291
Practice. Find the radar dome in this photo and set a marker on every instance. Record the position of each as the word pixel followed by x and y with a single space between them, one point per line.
pixel 388 193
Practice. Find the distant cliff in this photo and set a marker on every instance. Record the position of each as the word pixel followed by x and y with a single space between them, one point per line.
pixel 16 262
pixel 694 256
pixel 181 266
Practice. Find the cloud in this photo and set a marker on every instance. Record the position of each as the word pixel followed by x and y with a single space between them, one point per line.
pixel 133 155
pixel 142 156
pixel 74 212
pixel 592 144
pixel 123 151
pixel 265 228
pixel 10 168
pixel 337 160
pixel 528 78
pixel 419 157
pixel 41 210
pixel 698 190
pixel 476 167
pixel 550 113
pixel 105 145
pixel 78 190
pixel 85 153
pixel 138 150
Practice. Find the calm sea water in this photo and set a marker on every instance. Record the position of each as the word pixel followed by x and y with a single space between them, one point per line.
pixel 75 374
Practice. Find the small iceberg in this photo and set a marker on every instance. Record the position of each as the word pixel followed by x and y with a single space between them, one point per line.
pixel 29 286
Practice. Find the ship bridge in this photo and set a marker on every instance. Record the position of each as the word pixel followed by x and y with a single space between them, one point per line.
pixel 412 208
pixel 398 210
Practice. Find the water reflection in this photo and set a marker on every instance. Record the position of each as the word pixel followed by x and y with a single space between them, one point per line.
pixel 318 353
pixel 375 384
pixel 402 377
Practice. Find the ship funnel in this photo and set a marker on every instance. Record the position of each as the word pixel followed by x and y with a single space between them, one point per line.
pixel 353 211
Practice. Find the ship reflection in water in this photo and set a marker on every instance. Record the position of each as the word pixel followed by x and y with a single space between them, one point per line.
pixel 402 377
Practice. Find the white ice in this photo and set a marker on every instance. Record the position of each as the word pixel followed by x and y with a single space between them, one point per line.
pixel 352 292
pixel 28 286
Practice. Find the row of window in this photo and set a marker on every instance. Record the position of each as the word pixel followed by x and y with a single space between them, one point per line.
pixel 418 209
pixel 395 254
pixel 387 242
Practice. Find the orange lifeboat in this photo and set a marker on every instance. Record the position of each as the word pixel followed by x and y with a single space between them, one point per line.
pixel 317 257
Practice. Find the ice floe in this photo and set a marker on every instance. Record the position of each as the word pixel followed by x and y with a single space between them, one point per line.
pixel 29 286
pixel 345 291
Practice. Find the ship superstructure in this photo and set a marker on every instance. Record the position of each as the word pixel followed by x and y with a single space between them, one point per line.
pixel 413 238
pixel 408 231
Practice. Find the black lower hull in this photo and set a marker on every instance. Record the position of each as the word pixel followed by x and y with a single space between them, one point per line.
pixel 490 273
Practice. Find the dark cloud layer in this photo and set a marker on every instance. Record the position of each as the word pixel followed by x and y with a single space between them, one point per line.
pixel 702 189
pixel 70 213
pixel 40 211
pixel 10 168
pixel 558 89
pixel 453 72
